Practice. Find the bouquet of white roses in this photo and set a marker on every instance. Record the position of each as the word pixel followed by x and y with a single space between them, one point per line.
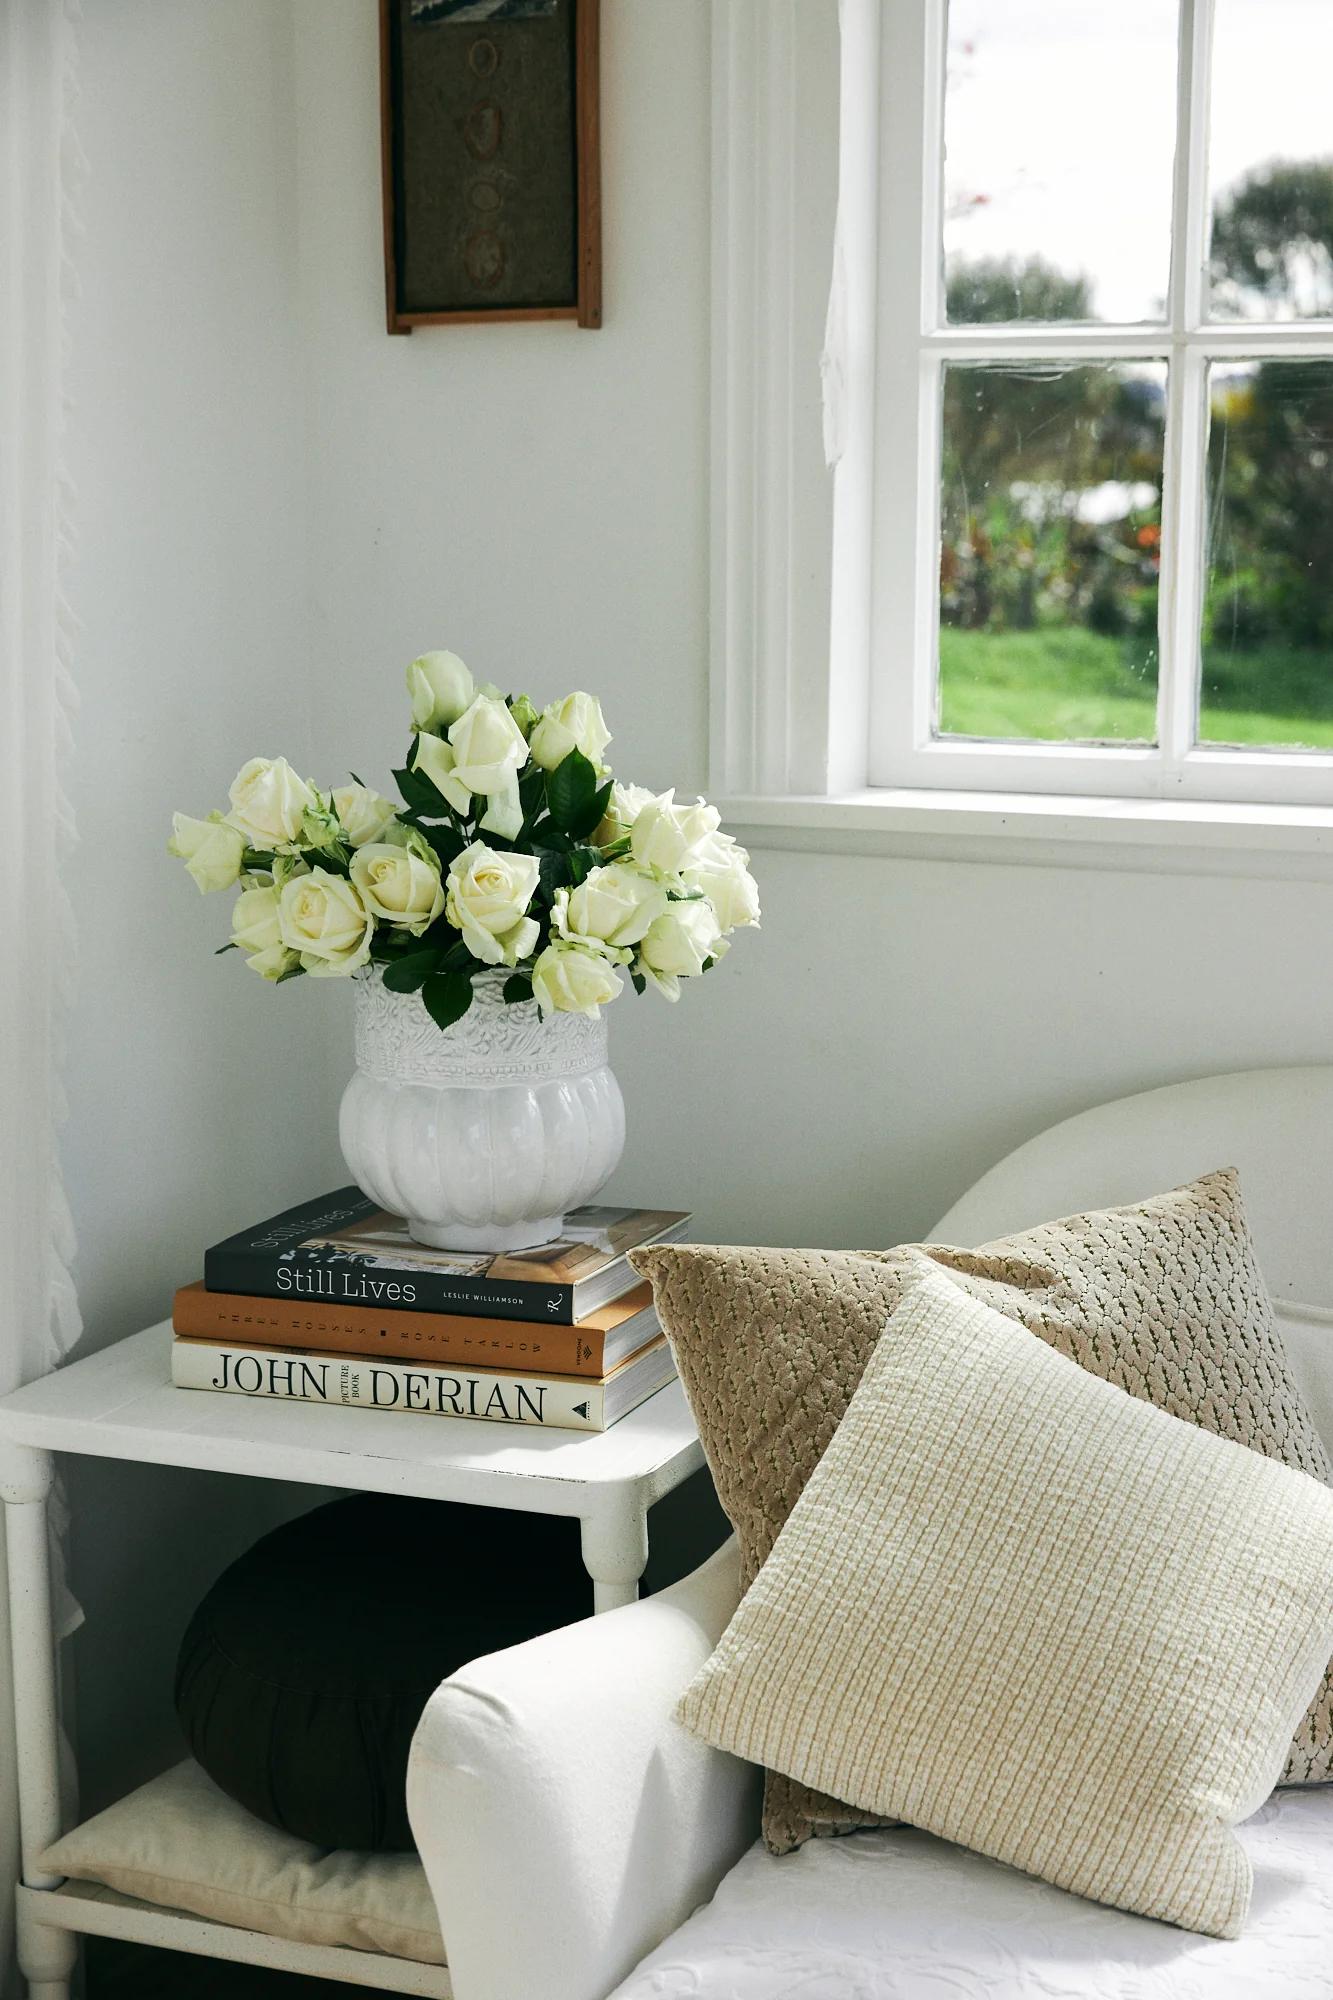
pixel 513 847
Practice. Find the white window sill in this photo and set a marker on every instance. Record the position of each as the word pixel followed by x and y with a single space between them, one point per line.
pixel 1032 830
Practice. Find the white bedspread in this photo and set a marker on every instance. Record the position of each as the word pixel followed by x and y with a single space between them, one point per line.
pixel 897 1915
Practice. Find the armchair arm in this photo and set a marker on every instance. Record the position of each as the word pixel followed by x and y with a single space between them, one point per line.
pixel 566 1823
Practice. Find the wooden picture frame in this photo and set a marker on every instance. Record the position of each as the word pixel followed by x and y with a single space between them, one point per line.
pixel 464 219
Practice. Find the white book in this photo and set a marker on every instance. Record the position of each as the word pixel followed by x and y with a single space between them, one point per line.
pixel 562 1402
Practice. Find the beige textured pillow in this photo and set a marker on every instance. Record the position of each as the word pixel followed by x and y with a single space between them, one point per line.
pixel 1163 1298
pixel 180 1842
pixel 1020 1609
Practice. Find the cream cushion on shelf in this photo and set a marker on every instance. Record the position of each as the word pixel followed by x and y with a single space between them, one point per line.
pixel 1030 1614
pixel 181 1843
pixel 1163 1298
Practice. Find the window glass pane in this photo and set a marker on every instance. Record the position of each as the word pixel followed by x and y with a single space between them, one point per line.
pixel 1059 141
pixel 1271 160
pixel 1052 485
pixel 1268 608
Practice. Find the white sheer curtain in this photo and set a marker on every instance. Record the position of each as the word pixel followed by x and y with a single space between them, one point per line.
pixel 38 1312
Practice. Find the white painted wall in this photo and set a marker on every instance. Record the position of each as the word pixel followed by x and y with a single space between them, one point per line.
pixel 197 1097
pixel 534 495
pixel 280 505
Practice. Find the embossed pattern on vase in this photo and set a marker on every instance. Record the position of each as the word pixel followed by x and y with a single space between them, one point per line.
pixel 397 1040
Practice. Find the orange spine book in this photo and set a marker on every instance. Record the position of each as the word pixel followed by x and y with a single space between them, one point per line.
pixel 451 1338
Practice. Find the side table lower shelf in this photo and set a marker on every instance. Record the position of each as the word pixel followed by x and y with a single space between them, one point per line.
pixel 78 1909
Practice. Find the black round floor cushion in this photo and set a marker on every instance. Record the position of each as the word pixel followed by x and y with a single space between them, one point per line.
pixel 305 1669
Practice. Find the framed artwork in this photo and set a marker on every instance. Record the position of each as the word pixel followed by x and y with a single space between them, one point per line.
pixel 492 182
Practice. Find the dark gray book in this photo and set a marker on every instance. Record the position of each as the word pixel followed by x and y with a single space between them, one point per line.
pixel 344 1250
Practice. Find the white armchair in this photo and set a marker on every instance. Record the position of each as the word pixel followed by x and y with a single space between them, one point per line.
pixel 566 1824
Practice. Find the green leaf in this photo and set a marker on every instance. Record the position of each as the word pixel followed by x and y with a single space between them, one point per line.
pixel 292 972
pixel 457 958
pixel 225 947
pixel 517 989
pixel 582 861
pixel 419 793
pixel 592 814
pixel 447 842
pixel 554 871
pixel 638 982
pixel 408 975
pixel 532 788
pixel 447 995
pixel 570 791
pixel 388 944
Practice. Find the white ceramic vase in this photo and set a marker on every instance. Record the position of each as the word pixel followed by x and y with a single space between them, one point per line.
pixel 485 1133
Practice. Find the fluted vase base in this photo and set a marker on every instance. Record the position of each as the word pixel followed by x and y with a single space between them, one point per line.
pixel 489 1236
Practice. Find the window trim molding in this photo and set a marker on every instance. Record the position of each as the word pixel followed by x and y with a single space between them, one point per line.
pixel 792 575
pixel 775 727
pixel 1045 830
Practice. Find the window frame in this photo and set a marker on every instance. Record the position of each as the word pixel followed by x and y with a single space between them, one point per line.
pixel 914 345
pixel 823 588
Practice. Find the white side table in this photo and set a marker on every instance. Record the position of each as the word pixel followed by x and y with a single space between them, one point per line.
pixel 120 1404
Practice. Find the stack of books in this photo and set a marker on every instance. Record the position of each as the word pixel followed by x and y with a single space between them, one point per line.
pixel 334 1302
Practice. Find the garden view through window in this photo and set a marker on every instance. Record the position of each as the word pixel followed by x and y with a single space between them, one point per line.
pixel 1083 371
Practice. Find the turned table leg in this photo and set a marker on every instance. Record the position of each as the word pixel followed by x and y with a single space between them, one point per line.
pixel 46 1955
pixel 615 1549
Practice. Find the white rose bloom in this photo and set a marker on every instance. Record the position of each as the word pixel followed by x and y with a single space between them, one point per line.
pixel 677 945
pixel 362 814
pixel 211 850
pixel 670 837
pixel 440 687
pixel 322 918
pixel 722 871
pixel 399 882
pixel 612 907
pixel 567 979
pixel 576 723
pixel 488 746
pixel 269 803
pixel 436 760
pixel 486 899
pixel 504 812
pixel 623 808
pixel 255 930
pixel 275 963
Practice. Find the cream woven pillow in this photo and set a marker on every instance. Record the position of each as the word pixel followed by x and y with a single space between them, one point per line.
pixel 1163 1298
pixel 1020 1609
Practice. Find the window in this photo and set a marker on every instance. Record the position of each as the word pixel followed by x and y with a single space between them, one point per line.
pixel 1100 532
